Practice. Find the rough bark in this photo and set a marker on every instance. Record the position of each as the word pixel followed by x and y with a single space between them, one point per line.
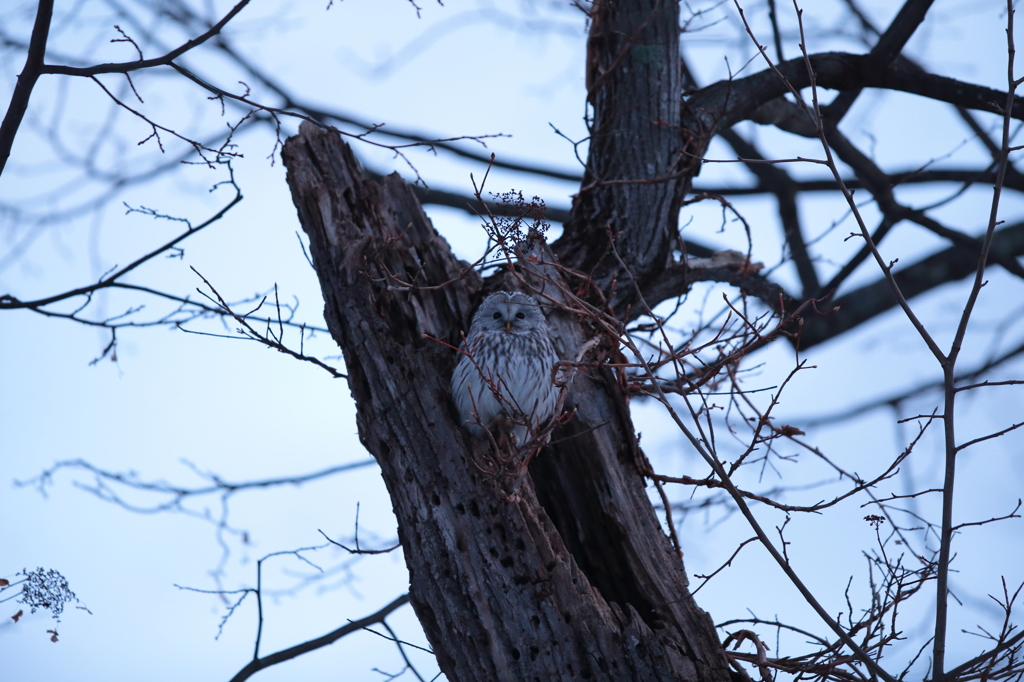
pixel 561 571
pixel 636 174
pixel 570 575
pixel 503 590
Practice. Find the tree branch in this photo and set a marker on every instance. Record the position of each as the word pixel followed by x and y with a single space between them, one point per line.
pixel 258 664
pixel 9 302
pixel 866 302
pixel 165 60
pixel 888 47
pixel 725 103
pixel 26 81
pixel 778 182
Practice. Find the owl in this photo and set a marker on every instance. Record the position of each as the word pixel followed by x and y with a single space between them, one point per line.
pixel 503 378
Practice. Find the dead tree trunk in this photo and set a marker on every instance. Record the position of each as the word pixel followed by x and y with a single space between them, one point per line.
pixel 571 576
pixel 506 588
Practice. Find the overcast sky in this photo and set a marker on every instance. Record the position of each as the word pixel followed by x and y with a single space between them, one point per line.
pixel 245 413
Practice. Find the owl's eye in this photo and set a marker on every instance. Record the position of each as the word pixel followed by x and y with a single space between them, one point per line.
pixel 520 316
pixel 497 316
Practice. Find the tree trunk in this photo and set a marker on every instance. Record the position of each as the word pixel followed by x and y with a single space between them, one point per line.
pixel 506 588
pixel 637 172
pixel 561 572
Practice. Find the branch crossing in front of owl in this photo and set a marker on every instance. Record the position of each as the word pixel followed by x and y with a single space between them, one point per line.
pixel 503 379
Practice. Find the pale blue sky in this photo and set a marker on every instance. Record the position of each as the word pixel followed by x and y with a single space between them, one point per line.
pixel 246 413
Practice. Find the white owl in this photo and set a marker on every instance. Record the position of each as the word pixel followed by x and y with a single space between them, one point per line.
pixel 504 375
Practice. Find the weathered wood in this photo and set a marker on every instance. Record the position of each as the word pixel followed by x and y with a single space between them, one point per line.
pixel 570 576
pixel 503 592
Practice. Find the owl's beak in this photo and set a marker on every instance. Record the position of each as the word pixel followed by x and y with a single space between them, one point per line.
pixel 508 325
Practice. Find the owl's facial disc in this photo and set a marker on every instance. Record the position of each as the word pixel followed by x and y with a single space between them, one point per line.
pixel 507 317
pixel 515 318
pixel 502 319
pixel 509 314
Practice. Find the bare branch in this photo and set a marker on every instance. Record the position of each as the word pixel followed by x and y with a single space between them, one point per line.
pixel 258 664
pixel 165 60
pixel 26 81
